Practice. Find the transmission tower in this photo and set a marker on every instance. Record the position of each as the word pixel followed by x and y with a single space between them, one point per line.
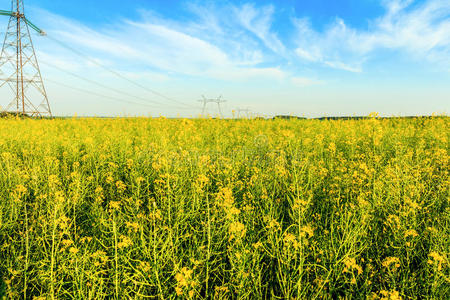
pixel 243 110
pixel 19 68
pixel 217 101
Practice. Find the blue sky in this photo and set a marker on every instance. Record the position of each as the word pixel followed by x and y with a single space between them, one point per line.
pixel 311 58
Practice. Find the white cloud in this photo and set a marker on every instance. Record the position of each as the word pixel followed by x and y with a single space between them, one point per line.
pixel 394 6
pixel 308 55
pixel 176 51
pixel 342 66
pixel 259 22
pixel 422 31
pixel 158 46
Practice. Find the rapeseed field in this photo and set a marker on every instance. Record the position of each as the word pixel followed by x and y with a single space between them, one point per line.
pixel 224 209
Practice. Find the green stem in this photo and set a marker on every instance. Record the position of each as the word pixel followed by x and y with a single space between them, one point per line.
pixel 27 253
pixel 155 261
pixel 209 244
pixel 52 264
pixel 116 258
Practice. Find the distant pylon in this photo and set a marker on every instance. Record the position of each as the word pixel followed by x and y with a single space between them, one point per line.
pixel 243 110
pixel 217 101
pixel 19 68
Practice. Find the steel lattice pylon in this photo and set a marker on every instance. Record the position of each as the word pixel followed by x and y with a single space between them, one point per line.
pixel 217 101
pixel 19 68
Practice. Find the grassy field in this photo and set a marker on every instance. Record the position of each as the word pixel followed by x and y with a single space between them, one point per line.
pixel 249 209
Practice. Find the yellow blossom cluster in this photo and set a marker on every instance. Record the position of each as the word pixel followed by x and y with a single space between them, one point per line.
pixel 185 283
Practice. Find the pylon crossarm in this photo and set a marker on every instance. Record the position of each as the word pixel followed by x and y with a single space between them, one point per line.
pixel 34 27
pixel 6 13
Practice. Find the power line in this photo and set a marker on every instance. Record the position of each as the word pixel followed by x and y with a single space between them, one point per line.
pixel 108 87
pixel 98 94
pixel 115 72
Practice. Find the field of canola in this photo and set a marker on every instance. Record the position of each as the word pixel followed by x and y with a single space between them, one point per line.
pixel 223 209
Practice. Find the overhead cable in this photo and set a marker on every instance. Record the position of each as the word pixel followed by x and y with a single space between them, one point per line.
pixel 116 73
pixel 98 94
pixel 162 105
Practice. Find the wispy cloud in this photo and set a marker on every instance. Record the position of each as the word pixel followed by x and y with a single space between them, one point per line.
pixel 168 46
pixel 259 22
pixel 420 30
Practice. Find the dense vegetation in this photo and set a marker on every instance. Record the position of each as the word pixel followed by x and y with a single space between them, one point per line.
pixel 148 208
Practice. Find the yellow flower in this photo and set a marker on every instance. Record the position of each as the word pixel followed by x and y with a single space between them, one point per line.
pixel 350 265
pixel 332 147
pixel 20 189
pixel 63 222
pixel 85 239
pixel 101 257
pixel 432 230
pixel 67 243
pixel 273 224
pixel 388 261
pixel 113 165
pixel 109 179
pixel 73 250
pixel 145 266
pixel 130 163
pixel 307 230
pixel 133 225
pixel 115 205
pixel 53 180
pixel 234 211
pixel 140 180
pixel 226 200
pixel 179 291
pixel 290 240
pixel 257 245
pixel 125 242
pixel 221 290
pixel 184 281
pixel 437 258
pixel 156 215
pixel 6 155
pixel 237 229
pixel 121 187
pixel 394 295
pixel 225 197
pixel 202 180
pixel 411 232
